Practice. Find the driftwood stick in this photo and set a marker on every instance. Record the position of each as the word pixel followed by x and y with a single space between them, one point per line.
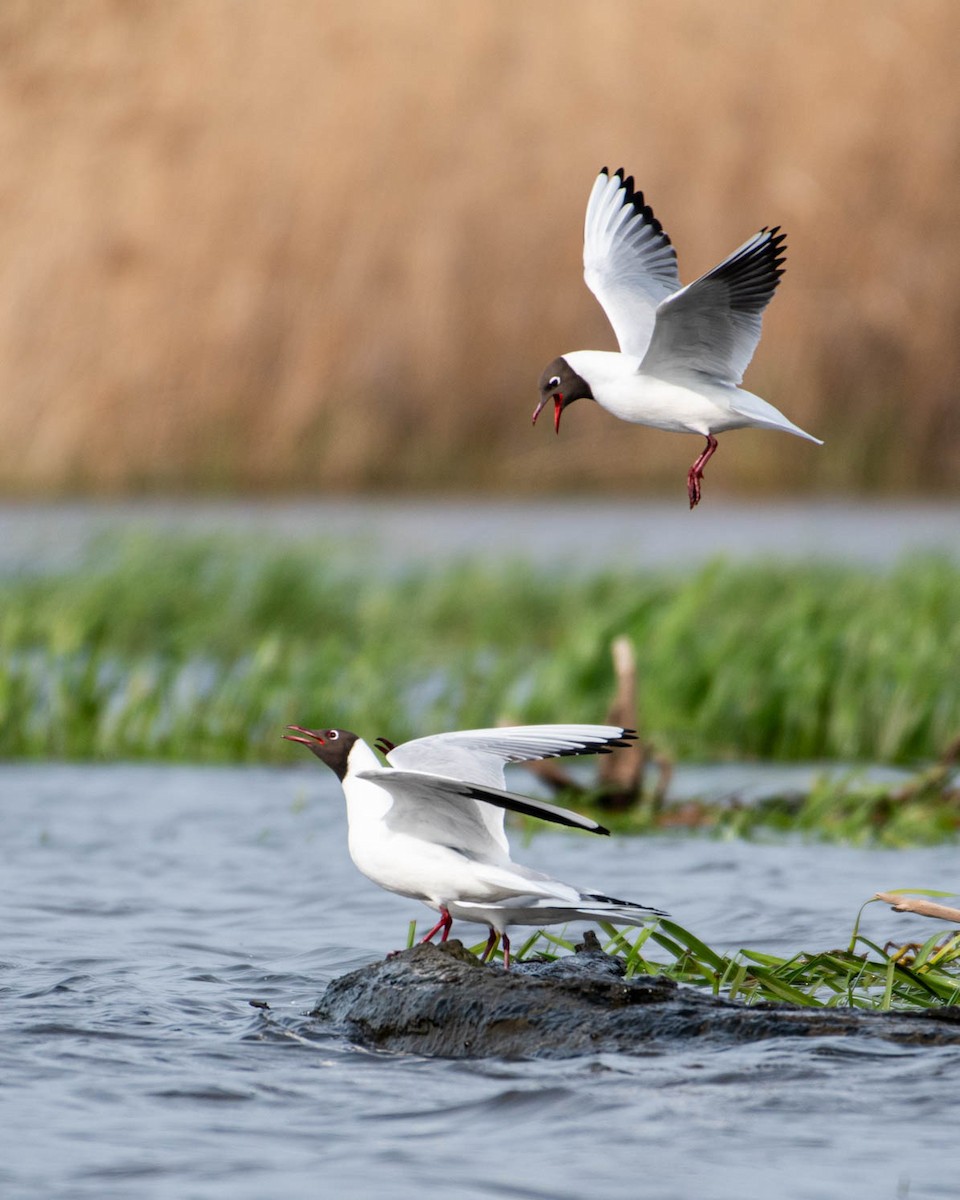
pixel 923 908
pixel 621 772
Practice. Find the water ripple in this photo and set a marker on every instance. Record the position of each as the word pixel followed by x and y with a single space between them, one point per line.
pixel 140 927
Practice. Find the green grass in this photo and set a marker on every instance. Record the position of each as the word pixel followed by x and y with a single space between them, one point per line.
pixel 204 650
pixel 860 975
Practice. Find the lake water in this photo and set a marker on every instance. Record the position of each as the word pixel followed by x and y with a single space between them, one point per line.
pixel 573 534
pixel 145 906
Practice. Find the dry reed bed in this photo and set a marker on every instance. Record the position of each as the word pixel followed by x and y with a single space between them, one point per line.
pixel 301 245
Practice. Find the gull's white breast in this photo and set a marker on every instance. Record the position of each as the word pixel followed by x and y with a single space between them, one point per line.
pixel 623 389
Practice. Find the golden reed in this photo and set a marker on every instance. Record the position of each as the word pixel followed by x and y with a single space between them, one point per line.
pixel 316 246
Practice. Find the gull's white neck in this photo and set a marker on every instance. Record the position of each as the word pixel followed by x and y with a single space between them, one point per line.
pixel 367 804
pixel 372 843
pixel 602 368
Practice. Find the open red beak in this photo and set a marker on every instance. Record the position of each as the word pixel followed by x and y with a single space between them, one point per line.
pixel 309 737
pixel 557 410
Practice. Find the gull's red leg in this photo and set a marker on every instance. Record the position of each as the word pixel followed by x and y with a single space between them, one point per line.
pixel 444 923
pixel 505 942
pixel 695 474
pixel 488 948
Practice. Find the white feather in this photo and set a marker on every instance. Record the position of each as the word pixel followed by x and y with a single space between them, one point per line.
pixel 628 261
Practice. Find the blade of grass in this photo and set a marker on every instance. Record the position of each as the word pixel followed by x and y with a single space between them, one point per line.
pixel 693 943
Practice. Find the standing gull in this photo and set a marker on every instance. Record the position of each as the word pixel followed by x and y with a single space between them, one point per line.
pixel 683 350
pixel 430 825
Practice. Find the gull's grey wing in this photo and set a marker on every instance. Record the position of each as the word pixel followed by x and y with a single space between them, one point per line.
pixel 712 326
pixel 449 811
pixel 628 261
pixel 480 755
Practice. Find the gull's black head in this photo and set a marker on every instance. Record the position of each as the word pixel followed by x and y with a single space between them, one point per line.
pixel 331 746
pixel 561 384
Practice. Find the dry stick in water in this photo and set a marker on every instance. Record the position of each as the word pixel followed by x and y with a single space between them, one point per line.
pixel 923 908
pixel 619 773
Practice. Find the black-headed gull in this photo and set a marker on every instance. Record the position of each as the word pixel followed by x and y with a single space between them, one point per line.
pixel 430 825
pixel 683 350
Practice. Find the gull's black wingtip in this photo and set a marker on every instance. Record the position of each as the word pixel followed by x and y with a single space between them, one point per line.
pixel 621 174
pixel 635 200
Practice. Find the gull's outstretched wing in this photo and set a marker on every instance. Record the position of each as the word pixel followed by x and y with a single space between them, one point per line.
pixel 480 755
pixel 628 261
pixel 712 326
pixel 446 812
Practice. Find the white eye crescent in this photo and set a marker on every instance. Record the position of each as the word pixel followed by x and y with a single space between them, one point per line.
pixel 332 735
pixel 553 382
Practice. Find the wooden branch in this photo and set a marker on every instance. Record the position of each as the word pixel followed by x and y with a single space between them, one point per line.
pixel 923 908
pixel 620 773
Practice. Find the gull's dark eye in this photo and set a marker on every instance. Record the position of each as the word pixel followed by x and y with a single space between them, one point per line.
pixel 553 382
pixel 332 735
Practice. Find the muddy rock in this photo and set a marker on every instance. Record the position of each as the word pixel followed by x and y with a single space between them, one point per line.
pixel 439 1000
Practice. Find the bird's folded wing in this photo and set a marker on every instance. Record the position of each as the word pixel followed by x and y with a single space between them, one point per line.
pixel 519 909
pixel 480 755
pixel 712 326
pixel 628 261
pixel 429 806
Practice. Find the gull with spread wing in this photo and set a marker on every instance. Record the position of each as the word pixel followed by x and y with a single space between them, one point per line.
pixel 430 825
pixel 683 350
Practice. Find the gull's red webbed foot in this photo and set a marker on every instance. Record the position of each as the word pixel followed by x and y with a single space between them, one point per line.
pixel 444 923
pixel 695 474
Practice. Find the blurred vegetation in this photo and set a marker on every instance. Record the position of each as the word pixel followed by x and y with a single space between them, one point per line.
pixel 923 810
pixel 321 246
pixel 203 650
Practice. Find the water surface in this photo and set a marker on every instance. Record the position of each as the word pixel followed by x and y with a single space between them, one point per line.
pixel 145 906
pixel 579 533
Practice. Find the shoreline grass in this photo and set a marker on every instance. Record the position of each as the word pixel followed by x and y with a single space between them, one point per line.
pixel 901 976
pixel 186 649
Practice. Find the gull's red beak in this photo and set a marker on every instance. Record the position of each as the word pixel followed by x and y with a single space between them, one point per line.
pixel 557 410
pixel 310 738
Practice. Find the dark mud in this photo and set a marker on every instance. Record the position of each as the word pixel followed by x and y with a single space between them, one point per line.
pixel 441 1001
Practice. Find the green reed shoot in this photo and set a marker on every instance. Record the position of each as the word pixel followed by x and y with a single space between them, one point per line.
pixel 203 649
